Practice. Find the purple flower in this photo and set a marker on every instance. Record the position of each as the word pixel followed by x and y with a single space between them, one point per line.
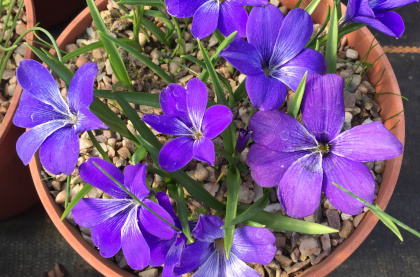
pixel 309 159
pixel 54 124
pixel 115 222
pixel 243 138
pixel 376 14
pixel 186 116
pixel 274 56
pixel 226 15
pixel 250 245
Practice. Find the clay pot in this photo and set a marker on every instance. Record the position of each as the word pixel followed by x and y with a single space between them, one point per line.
pixel 52 12
pixel 390 106
pixel 17 192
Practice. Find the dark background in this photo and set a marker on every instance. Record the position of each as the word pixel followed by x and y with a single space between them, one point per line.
pixel 30 245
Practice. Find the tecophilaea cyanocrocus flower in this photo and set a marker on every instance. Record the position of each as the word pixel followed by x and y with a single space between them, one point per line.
pixel 305 160
pixel 376 14
pixel 274 56
pixel 250 245
pixel 54 124
pixel 226 15
pixel 185 115
pixel 118 223
pixel 243 138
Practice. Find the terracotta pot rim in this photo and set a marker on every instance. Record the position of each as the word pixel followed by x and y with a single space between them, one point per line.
pixel 342 252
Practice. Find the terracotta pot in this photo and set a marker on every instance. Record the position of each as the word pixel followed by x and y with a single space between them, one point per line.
pixel 52 12
pixel 390 106
pixel 17 192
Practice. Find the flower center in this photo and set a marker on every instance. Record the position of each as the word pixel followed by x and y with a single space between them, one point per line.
pixel 221 1
pixel 219 244
pixel 324 148
pixel 73 119
pixel 197 134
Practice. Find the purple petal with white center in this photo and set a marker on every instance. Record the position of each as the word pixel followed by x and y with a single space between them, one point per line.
pixel 205 19
pixel 268 166
pixel 215 121
pixel 92 175
pixel 135 180
pixel 208 228
pixel 248 2
pixel 204 150
pixel 197 98
pixel 244 57
pixel 174 256
pixel 254 245
pixel 193 256
pixel 107 236
pixel 164 202
pixel 183 8
pixel 60 151
pixel 215 265
pixel 235 267
pixel 153 224
pixel 380 5
pixel 232 18
pixel 31 140
pixel 291 73
pixel 176 154
pixel 80 93
pixel 32 112
pixel 359 8
pixel 90 212
pixel 263 28
pixel 133 244
pixel 367 142
pixel 353 176
pixel 167 124
pixel 299 190
pixel 37 80
pixel 295 32
pixel 173 101
pixel 279 131
pixel 264 92
pixel 323 106
pixel 87 121
pixel 387 22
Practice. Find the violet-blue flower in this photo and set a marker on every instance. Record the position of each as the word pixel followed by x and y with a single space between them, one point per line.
pixel 243 138
pixel 250 245
pixel 377 14
pixel 115 222
pixel 274 56
pixel 226 15
pixel 54 124
pixel 303 161
pixel 185 115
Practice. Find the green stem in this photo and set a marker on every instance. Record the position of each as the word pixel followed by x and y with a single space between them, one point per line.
pixel 66 203
pixel 6 20
pixel 98 146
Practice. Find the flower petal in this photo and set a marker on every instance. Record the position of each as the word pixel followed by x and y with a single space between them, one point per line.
pixel 387 22
pixel 31 140
pixel 167 124
pixel 244 57
pixel 90 212
pixel 204 150
pixel 173 257
pixel 323 106
pixel 158 248
pixel 32 112
pixel 232 18
pixel 268 166
pixel 193 256
pixel 135 180
pixel 295 32
pixel 92 175
pixel 213 266
pixel 263 29
pixel 80 93
pixel 254 245
pixel 235 267
pixel 37 80
pixel 264 92
pixel 165 203
pixel 60 151
pixel 87 121
pixel 134 246
pixel 205 19
pixel 154 225
pixel 367 142
pixel 279 131
pixel 173 101
pixel 353 176
pixel 248 2
pixel 215 120
pixel 197 98
pixel 183 8
pixel 208 228
pixel 176 154
pixel 389 4
pixel 299 190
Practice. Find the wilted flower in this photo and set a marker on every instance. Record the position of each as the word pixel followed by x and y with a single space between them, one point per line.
pixel 54 124
pixel 226 15
pixel 115 222
pixel 274 56
pixel 250 245
pixel 186 116
pixel 376 14
pixel 303 161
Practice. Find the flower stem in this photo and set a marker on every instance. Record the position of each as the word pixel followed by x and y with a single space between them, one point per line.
pixel 66 201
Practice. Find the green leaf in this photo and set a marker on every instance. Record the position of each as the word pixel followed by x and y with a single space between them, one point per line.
pixel 312 6
pixel 387 221
pixel 194 60
pixel 298 4
pixel 140 98
pixel 229 138
pixel 162 16
pixel 240 92
pixel 294 108
pixel 156 31
pixel 324 25
pixel 154 3
pixel 177 193
pixel 233 182
pixel 332 41
pixel 138 155
pixel 86 188
pixel 98 146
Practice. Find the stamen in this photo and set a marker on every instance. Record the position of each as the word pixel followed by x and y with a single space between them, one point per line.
pixel 219 244
pixel 198 135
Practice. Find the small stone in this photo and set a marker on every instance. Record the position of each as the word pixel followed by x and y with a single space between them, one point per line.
pixel 61 197
pixel 275 2
pixel 345 216
pixel 155 54
pixel 298 266
pixel 333 218
pixel 11 89
pixel 124 152
pixel 211 177
pixel 273 208
pixel 201 173
pixel 320 257
pixel 273 196
pixel 8 74
pixel 97 54
pixel 246 196
pixel 70 47
pixel 283 260
pixel 152 272
pixel 81 60
pixel 350 99
pixel 121 163
pixel 94 193
pixel 212 189
pixel 20 28
pixel 309 246
pixel 346 230
pixel 244 155
pixel 259 191
pixel 280 241
pixel 158 181
pixel 355 82
pixel 325 241
pixel 357 219
pixel 142 39
pixel 173 67
pixel 85 143
pixel 20 50
pixel 352 54
pixel 379 167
